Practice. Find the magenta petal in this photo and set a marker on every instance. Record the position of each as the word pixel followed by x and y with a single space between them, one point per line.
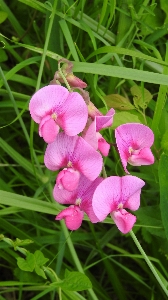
pixel 90 135
pixel 144 157
pixel 124 220
pixel 46 101
pixel 105 121
pixel 86 194
pixel 87 160
pixel 103 146
pixel 48 129
pixel 131 190
pixel 72 216
pixel 107 197
pixel 130 139
pixel 58 153
pixel 68 179
pixel 73 115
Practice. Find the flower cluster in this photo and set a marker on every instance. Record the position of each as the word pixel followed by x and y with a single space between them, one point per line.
pixel 62 115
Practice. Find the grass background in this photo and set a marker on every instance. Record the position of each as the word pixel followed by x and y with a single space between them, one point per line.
pixel 120 49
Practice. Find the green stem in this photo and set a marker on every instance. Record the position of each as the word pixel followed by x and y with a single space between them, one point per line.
pixel 64 78
pixel 148 262
pixel 74 255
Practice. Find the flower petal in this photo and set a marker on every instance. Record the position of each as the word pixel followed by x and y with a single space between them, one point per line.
pixel 124 220
pixel 87 160
pixel 131 190
pixel 132 135
pixel 73 114
pixel 46 101
pixel 86 198
pixel 103 146
pixel 48 129
pixel 73 217
pixel 68 179
pixel 107 197
pixel 105 121
pixel 59 153
pixel 144 157
pixel 74 150
pixel 90 135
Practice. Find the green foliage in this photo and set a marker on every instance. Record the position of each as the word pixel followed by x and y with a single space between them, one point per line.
pixel 120 49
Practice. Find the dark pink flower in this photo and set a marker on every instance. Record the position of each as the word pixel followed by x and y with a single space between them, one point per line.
pixel 80 200
pixel 73 217
pixel 115 194
pixel 93 137
pixel 133 142
pixel 53 106
pixel 76 156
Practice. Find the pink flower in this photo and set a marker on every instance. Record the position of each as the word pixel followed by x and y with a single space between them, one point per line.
pixel 76 156
pixel 80 200
pixel 134 141
pixel 93 137
pixel 53 106
pixel 115 194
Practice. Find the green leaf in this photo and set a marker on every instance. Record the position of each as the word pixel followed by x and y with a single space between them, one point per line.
pixel 125 117
pixel 164 7
pixel 40 259
pixel 141 96
pixel 24 202
pixel 118 102
pixel 149 217
pixel 19 242
pixel 164 142
pixel 152 21
pixel 27 264
pixel 40 272
pixel 75 281
pixel 3 55
pixel 163 180
pixel 3 16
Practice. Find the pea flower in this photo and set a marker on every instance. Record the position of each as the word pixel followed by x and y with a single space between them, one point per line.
pixel 80 200
pixel 92 135
pixel 133 142
pixel 76 156
pixel 53 106
pixel 115 194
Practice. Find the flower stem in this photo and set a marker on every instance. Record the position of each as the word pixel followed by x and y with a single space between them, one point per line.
pixel 64 78
pixel 74 256
pixel 150 265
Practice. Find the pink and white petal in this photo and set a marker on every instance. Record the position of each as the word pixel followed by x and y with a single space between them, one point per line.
pixel 88 209
pixel 48 130
pixel 86 199
pixel 59 153
pixel 103 146
pixel 46 101
pixel 72 216
pixel 90 136
pixel 123 149
pixel 145 157
pixel 107 197
pixel 87 160
pixel 130 192
pixel 136 135
pixel 105 121
pixel 73 114
pixel 63 196
pixel 123 220
pixel 68 179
